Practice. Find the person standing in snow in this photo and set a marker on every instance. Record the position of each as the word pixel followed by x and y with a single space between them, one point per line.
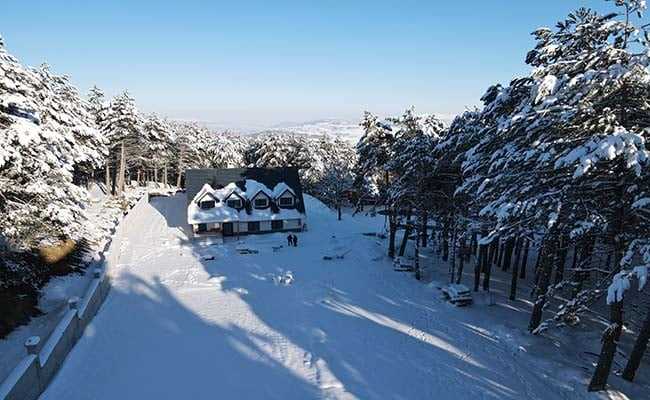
pixel 295 241
pixel 290 240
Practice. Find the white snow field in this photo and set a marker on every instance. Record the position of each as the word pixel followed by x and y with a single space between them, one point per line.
pixel 286 324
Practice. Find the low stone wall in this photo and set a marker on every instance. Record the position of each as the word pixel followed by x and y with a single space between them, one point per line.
pixel 32 375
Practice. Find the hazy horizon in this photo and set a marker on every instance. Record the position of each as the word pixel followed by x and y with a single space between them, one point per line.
pixel 257 65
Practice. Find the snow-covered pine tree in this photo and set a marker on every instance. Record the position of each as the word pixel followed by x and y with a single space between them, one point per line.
pixel 331 172
pixel 333 186
pixel 566 152
pixel 196 147
pixel 413 189
pixel 158 140
pixel 98 108
pixel 374 151
pixel 226 152
pixel 74 114
pixel 123 127
pixel 46 140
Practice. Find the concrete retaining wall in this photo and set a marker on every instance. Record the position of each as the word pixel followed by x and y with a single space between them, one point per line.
pixel 32 375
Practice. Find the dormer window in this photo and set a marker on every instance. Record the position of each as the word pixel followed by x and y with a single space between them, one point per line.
pixel 234 203
pixel 286 201
pixel 261 202
pixel 207 204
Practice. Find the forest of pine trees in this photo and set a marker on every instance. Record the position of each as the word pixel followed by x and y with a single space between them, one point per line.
pixel 55 142
pixel 552 168
pixel 548 181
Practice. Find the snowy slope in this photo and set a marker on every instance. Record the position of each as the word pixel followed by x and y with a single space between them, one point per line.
pixel 179 326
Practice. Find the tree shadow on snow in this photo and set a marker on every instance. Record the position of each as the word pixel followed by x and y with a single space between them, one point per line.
pixel 388 339
pixel 149 337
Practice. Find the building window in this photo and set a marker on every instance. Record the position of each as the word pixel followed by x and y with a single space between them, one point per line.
pixel 286 201
pixel 234 203
pixel 277 225
pixel 207 204
pixel 202 228
pixel 261 203
pixel 254 226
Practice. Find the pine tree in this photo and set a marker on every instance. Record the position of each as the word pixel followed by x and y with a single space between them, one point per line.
pixel 48 142
pixel 123 128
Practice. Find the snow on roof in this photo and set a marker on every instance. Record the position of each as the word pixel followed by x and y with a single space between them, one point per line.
pixel 281 188
pixel 225 192
pixel 206 189
pixel 222 213
pixel 253 187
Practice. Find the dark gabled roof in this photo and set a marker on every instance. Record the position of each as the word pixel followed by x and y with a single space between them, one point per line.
pixel 234 193
pixel 218 178
pixel 216 199
pixel 260 192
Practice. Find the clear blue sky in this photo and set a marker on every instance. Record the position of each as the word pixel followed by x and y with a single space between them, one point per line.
pixel 264 62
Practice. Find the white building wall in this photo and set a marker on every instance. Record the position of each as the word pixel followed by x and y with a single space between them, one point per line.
pixel 292 224
pixel 265 226
pixel 243 227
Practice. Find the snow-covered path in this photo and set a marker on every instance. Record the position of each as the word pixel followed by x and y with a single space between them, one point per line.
pixel 178 326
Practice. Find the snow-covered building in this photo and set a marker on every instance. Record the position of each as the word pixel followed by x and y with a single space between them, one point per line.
pixel 236 201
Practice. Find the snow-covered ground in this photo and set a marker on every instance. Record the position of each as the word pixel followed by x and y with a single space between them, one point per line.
pixel 287 324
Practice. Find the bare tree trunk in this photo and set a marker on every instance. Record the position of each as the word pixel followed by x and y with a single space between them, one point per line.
pixel 407 233
pixel 461 261
pixel 561 259
pixel 524 261
pixel 155 174
pixel 482 253
pixel 501 253
pixel 474 244
pixel 608 351
pixel 539 258
pixel 338 209
pixel 423 233
pixel 165 175
pixel 392 230
pixel 487 270
pixel 515 270
pixel 418 274
pixel 493 251
pixel 547 253
pixel 453 252
pixel 507 256
pixel 574 263
pixel 108 174
pixel 612 334
pixel 180 167
pixel 445 241
pixel 121 177
pixel 640 346
pixel 518 245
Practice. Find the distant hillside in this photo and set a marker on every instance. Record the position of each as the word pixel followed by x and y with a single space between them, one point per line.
pixel 348 130
pixel 345 129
